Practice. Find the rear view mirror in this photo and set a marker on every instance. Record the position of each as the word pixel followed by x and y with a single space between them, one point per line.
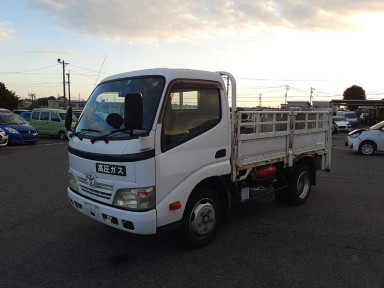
pixel 68 119
pixel 133 116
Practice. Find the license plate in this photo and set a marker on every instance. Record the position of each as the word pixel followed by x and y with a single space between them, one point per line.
pixel 111 169
pixel 91 209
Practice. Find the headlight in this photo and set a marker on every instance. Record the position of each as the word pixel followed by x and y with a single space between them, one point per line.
pixel 72 182
pixel 354 135
pixel 136 199
pixel 11 130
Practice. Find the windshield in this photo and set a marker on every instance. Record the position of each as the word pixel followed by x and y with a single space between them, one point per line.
pixel 350 115
pixel 109 98
pixel 339 118
pixel 377 126
pixel 10 119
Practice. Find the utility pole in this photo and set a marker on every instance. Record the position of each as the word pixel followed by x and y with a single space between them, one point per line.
pixel 33 96
pixel 286 94
pixel 311 95
pixel 64 63
pixel 69 89
pixel 260 100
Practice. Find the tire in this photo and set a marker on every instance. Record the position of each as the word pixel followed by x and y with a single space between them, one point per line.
pixel 367 148
pixel 5 143
pixel 299 186
pixel 62 135
pixel 202 217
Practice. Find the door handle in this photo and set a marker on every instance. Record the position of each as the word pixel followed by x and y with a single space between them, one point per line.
pixel 221 153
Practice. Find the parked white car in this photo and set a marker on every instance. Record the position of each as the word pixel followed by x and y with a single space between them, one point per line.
pixel 350 116
pixel 342 124
pixel 367 141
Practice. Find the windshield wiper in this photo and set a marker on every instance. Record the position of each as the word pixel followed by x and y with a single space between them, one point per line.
pixel 121 130
pixel 105 136
pixel 82 132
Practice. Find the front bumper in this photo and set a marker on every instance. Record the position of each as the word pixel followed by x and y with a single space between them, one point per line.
pixel 351 143
pixel 130 221
pixel 344 129
pixel 23 138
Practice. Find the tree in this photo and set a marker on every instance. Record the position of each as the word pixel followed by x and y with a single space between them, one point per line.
pixel 354 93
pixel 42 102
pixel 8 99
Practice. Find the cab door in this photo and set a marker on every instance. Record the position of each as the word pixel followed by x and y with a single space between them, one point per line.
pixel 192 142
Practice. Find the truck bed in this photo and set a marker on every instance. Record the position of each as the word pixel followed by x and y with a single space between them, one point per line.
pixel 263 137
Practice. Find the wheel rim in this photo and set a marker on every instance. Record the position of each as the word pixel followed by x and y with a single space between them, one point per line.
pixel 61 136
pixel 202 218
pixel 367 149
pixel 303 184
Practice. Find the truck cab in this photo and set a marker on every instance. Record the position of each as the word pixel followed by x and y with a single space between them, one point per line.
pixel 159 148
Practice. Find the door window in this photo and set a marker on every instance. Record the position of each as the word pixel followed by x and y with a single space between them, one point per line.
pixel 55 117
pixel 35 115
pixel 189 112
pixel 44 116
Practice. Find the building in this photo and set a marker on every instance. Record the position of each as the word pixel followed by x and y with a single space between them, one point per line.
pixel 59 104
pixel 322 104
pixel 296 104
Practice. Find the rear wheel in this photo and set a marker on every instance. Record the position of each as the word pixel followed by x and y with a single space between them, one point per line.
pixel 299 186
pixel 202 217
pixel 367 148
pixel 62 135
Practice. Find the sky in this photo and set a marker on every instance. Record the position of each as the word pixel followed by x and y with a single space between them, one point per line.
pixel 327 45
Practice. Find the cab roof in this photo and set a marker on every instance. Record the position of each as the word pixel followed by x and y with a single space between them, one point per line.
pixel 169 74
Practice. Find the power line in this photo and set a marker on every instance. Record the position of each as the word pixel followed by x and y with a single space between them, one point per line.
pixel 42 93
pixel 291 80
pixel 27 71
pixel 88 69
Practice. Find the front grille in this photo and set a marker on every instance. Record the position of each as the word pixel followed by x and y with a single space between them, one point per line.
pixel 28 132
pixel 99 189
pixel 342 127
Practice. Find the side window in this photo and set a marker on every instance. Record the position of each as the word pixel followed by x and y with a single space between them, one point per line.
pixel 44 116
pixel 189 112
pixel 55 117
pixel 185 100
pixel 35 115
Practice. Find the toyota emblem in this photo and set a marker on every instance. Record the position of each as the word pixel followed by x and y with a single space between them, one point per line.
pixel 91 179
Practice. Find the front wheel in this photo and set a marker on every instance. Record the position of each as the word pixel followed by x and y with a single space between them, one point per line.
pixel 5 143
pixel 202 217
pixel 367 148
pixel 62 135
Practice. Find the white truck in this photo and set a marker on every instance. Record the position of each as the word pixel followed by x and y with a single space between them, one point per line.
pixel 161 148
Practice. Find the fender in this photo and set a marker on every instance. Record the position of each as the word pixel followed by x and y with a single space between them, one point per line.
pixel 182 192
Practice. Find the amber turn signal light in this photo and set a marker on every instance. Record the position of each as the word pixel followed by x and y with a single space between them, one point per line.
pixel 175 205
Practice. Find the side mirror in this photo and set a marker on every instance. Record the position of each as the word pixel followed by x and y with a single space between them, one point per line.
pixel 68 119
pixel 133 116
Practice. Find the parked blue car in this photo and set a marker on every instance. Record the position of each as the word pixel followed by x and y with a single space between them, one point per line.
pixel 18 131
